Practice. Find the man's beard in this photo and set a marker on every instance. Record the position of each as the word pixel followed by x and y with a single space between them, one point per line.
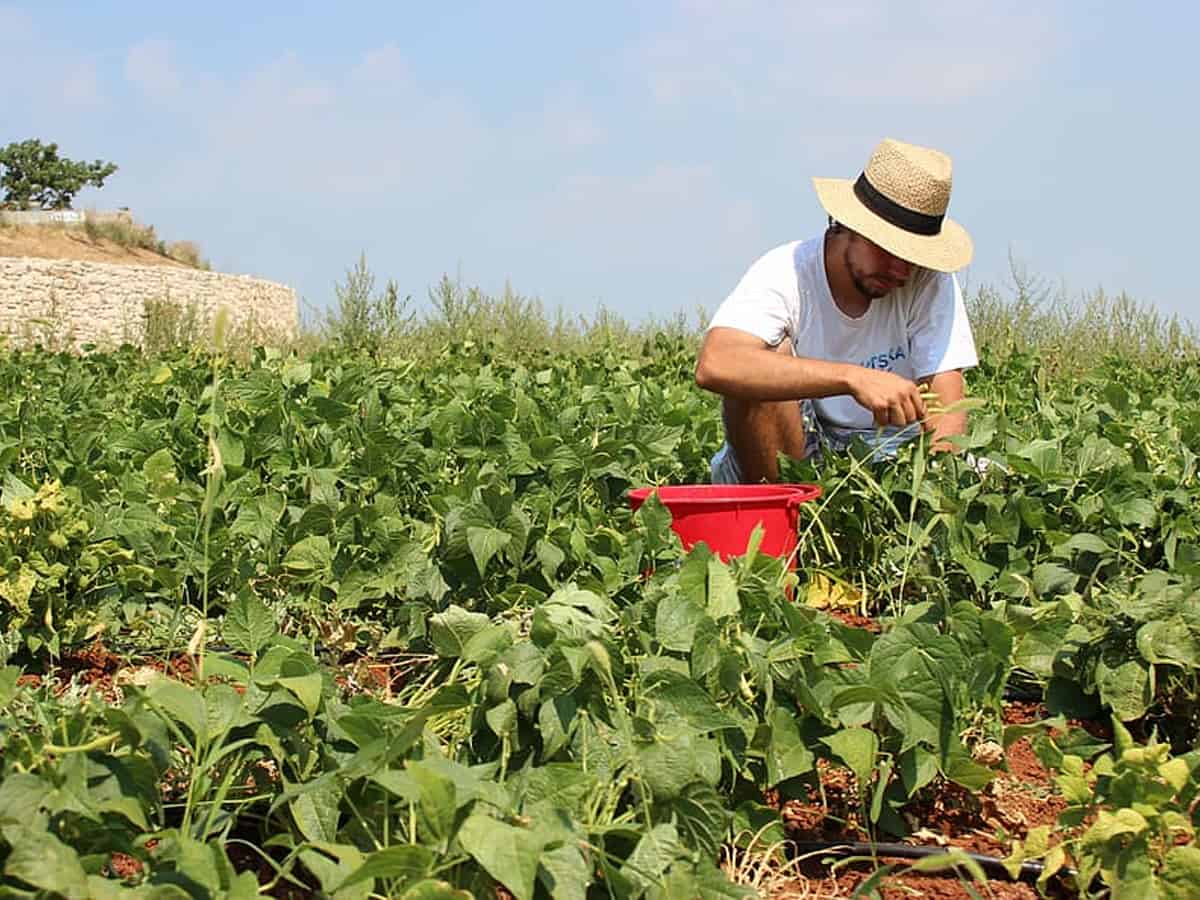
pixel 860 281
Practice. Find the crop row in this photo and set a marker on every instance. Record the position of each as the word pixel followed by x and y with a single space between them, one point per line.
pixel 573 704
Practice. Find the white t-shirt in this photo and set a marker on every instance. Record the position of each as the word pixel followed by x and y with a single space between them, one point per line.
pixel 915 331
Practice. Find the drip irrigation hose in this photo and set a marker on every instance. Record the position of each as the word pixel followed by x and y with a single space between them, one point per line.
pixel 993 866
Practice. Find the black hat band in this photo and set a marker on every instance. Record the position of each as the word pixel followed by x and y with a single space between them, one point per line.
pixel 892 212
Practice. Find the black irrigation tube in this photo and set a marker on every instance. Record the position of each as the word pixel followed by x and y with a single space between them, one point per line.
pixel 993 866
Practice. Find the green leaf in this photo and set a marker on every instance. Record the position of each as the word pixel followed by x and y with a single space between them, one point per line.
pixel 315 810
pixel 675 622
pixel 430 889
pixel 22 796
pixel 502 718
pixel 485 645
pixel 652 856
pixel 8 684
pixel 1051 578
pixel 958 766
pixel 305 688
pixel 181 702
pixel 249 625
pixel 857 748
pixel 258 518
pixel 722 590
pixel 550 557
pixel 485 543
pixel 296 373
pixel 554 718
pixel 1109 825
pixel 1084 542
pixel 676 695
pixel 673 761
pixel 402 864
pixel 450 630
pixel 1137 511
pixel 233 452
pixel 159 471
pixel 509 854
pixel 42 860
pixel 332 865
pixel 1180 873
pixel 311 556
pixel 14 489
pixel 951 859
pixel 223 706
pixel 1169 641
pixel 565 872
pixel 561 786
pixel 787 754
pixel 701 818
pixel 1126 688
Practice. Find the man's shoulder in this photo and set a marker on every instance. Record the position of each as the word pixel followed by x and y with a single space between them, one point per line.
pixel 927 286
pixel 791 251
pixel 785 260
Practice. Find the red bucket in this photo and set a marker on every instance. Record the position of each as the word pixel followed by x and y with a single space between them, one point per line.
pixel 724 515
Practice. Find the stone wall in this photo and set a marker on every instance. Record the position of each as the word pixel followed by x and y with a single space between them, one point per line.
pixel 66 304
pixel 63 216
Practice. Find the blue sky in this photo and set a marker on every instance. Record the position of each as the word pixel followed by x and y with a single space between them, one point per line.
pixel 634 155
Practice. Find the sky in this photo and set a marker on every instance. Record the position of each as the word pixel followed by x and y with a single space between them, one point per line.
pixel 631 155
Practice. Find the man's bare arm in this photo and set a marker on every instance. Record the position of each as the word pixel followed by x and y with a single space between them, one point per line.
pixel 950 388
pixel 735 363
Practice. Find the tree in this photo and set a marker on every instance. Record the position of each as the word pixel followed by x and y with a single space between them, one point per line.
pixel 36 176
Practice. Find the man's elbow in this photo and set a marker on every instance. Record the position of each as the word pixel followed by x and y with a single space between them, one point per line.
pixel 708 374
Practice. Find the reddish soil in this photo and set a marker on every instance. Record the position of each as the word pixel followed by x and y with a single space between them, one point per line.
pixel 104 673
pixel 854 620
pixel 123 866
pixel 1021 797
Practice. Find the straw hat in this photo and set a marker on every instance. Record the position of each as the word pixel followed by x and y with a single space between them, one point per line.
pixel 899 202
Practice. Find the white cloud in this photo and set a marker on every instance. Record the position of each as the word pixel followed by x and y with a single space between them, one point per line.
pixel 566 122
pixel 15 24
pixel 383 67
pixel 636 216
pixel 295 136
pixel 149 67
pixel 772 54
pixel 79 85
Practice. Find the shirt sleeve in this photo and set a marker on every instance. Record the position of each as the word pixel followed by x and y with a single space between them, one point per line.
pixel 764 303
pixel 939 333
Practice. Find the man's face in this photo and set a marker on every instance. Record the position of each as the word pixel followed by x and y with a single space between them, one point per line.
pixel 873 270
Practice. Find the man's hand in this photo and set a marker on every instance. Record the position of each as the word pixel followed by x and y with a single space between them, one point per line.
pixel 891 398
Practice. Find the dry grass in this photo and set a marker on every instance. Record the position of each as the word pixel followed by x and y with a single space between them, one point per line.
pixel 107 240
pixel 771 869
pixel 1073 334
pixel 188 253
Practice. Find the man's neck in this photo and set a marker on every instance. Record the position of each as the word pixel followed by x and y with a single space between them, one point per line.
pixel 846 296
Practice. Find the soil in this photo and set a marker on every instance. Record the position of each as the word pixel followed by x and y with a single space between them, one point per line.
pixel 854 620
pixel 1022 796
pixel 65 242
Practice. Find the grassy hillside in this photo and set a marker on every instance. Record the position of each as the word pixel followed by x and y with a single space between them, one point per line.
pixel 108 242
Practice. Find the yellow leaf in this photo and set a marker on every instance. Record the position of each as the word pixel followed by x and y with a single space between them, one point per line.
pixel 826 593
pixel 1175 772
pixel 1052 863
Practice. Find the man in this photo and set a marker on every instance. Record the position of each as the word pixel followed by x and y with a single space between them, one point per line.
pixel 854 325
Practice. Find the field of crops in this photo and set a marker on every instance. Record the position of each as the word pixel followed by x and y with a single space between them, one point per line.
pixel 351 626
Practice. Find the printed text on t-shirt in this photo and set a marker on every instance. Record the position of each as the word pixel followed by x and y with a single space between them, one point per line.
pixel 883 360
